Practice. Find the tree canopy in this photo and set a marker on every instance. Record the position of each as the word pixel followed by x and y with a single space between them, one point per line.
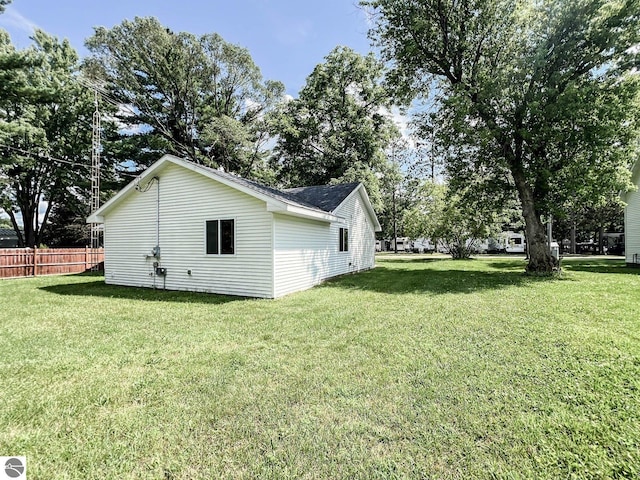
pixel 45 132
pixel 536 97
pixel 337 129
pixel 197 97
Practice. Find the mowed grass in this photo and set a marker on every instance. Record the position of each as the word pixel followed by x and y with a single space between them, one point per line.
pixel 421 368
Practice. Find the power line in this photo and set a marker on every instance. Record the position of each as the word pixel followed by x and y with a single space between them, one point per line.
pixel 42 156
pixel 38 155
pixel 106 96
pixel 127 107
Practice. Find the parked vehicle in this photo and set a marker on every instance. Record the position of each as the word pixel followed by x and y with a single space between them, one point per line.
pixel 516 243
pixel 423 245
pixel 403 243
pixel 613 243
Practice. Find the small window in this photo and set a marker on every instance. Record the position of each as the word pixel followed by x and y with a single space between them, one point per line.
pixel 212 237
pixel 226 237
pixel 220 237
pixel 344 240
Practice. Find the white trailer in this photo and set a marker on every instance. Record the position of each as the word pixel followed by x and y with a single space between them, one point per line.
pixel 516 243
pixel 403 243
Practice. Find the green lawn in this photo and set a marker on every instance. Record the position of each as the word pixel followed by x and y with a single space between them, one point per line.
pixel 417 369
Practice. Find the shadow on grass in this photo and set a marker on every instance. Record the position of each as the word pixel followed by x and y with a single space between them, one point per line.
pixel 100 289
pixel 599 266
pixel 399 280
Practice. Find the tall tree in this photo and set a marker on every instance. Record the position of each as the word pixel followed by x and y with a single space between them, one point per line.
pixel 457 220
pixel 336 130
pixel 196 97
pixel 45 132
pixel 3 4
pixel 535 95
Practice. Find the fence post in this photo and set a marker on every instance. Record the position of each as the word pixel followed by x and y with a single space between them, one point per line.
pixel 86 258
pixel 35 261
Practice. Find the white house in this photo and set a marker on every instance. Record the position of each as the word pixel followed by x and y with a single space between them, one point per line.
pixel 632 220
pixel 183 226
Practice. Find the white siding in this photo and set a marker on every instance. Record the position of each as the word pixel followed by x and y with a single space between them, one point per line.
pixel 307 252
pixel 362 238
pixel 187 201
pixel 302 253
pixel 632 227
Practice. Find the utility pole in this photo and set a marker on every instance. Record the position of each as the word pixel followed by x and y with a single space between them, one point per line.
pixel 395 227
pixel 432 158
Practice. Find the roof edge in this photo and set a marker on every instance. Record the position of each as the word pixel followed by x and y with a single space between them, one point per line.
pixel 273 204
pixel 367 203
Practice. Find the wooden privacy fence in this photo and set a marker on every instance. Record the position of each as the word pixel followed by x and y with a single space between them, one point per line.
pixel 31 262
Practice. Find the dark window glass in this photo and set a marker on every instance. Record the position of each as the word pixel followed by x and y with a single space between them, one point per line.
pixel 226 237
pixel 344 240
pixel 212 237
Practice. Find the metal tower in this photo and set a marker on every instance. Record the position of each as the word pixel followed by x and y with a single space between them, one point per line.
pixel 95 184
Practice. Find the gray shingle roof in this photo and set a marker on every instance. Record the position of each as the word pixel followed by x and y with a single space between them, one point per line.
pixel 7 233
pixel 325 197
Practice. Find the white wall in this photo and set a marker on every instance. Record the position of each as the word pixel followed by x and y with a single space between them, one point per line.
pixel 632 227
pixel 362 239
pixel 306 252
pixel 187 201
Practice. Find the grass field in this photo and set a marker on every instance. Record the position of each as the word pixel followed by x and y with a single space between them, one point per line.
pixel 418 369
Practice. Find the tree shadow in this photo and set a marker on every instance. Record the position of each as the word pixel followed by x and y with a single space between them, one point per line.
pixel 99 288
pixel 405 280
pixel 600 266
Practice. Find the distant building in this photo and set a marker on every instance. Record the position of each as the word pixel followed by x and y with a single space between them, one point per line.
pixel 8 238
pixel 632 220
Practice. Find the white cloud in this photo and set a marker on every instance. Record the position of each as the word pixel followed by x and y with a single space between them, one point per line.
pixel 634 50
pixel 250 104
pixel 42 208
pixel 14 19
pixel 400 120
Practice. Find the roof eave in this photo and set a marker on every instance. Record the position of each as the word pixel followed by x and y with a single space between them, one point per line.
pixel 367 202
pixel 272 203
pixel 98 215
pixel 301 212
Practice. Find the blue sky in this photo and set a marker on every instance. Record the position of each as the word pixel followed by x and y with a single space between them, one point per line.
pixel 286 38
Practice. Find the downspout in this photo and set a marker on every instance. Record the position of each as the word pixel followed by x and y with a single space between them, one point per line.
pixel 158 268
pixel 157 217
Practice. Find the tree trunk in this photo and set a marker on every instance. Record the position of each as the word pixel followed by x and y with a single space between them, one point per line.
pixel 27 224
pixel 541 262
pixel 14 222
pixel 601 241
